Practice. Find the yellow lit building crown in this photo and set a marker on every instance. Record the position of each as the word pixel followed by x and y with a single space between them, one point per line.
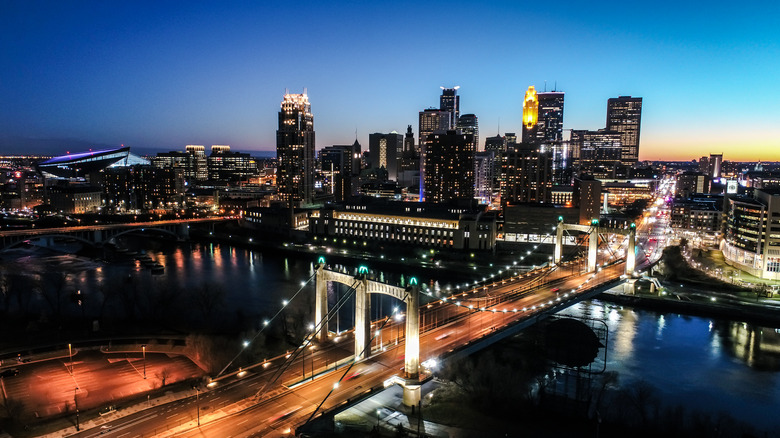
pixel 530 108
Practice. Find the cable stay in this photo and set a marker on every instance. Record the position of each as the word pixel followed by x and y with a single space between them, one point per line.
pixel 265 324
pixel 307 340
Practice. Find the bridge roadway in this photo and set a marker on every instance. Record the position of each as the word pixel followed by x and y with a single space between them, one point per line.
pixel 65 230
pixel 228 410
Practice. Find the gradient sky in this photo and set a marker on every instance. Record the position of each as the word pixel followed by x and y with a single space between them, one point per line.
pixel 164 74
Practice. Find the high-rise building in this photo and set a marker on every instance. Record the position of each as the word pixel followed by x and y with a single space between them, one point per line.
pixel 485 176
pixel 596 153
pixel 526 174
pixel 224 165
pixel 448 167
pixel 715 164
pixel 496 144
pixel 295 150
pixel 450 102
pixel 530 115
pixel 337 166
pixel 548 127
pixel 587 198
pixel 468 124
pixel 624 115
pixel 384 151
pixel 431 120
pixel 409 173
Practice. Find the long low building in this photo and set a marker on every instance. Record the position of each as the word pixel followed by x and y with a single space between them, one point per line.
pixel 752 238
pixel 416 224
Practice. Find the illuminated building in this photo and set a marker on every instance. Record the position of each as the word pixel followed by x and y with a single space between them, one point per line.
pixel 420 224
pixel 295 150
pixel 384 151
pixel 409 174
pixel 142 188
pixel 698 218
pixel 83 163
pixel 596 153
pixel 526 174
pixel 624 115
pixel 587 198
pixel 192 162
pixel 496 144
pixel 752 235
pixel 469 124
pixel 224 165
pixel 448 167
pixel 431 120
pixel 715 163
pixel 449 101
pixel 548 125
pixel 74 199
pixel 530 114
pixel 485 176
pixel 338 164
pixel 689 183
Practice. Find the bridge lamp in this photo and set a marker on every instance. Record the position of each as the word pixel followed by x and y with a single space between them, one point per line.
pixel 265 322
pixel 303 283
pixel 335 385
pixel 246 344
pixel 311 326
pixel 285 302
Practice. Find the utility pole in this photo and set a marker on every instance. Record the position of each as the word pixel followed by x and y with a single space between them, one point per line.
pixel 144 348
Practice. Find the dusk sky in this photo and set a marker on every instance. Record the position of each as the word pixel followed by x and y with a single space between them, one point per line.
pixel 164 74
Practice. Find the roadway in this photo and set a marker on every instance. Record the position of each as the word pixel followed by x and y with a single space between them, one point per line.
pixel 230 410
pixel 64 230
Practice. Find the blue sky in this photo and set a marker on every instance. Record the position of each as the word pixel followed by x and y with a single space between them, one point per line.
pixel 165 74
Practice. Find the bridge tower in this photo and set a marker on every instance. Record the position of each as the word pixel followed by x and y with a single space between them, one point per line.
pixel 363 288
pixel 593 231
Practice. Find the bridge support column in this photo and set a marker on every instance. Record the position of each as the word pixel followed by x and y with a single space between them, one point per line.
pixel 631 252
pixel 412 353
pixel 629 287
pixel 362 320
pixel 321 302
pixel 558 252
pixel 593 247
pixel 97 236
pixel 412 394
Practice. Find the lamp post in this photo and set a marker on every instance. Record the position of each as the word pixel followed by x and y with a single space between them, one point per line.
pixel 75 402
pixel 70 358
pixel 144 349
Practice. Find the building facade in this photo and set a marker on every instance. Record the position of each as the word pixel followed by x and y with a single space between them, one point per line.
pixel 624 115
pixel 384 151
pixel 448 167
pixel 752 234
pixel 295 151
pixel 526 174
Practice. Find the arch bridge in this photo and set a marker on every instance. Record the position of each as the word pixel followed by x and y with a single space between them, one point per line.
pixel 363 288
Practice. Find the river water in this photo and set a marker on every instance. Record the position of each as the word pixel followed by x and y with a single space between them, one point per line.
pixel 704 364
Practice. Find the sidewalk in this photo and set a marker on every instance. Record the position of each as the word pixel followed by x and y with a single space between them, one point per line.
pixel 712 263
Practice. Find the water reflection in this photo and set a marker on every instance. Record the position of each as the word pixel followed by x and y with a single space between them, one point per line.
pixel 758 347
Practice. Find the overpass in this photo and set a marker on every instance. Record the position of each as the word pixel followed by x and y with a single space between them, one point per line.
pixel 98 234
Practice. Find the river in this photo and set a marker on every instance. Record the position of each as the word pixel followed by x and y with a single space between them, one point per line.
pixel 704 364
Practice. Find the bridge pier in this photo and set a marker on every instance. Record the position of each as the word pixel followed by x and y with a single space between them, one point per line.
pixel 183 231
pixel 362 320
pixel 593 246
pixel 321 302
pixel 629 287
pixel 97 236
pixel 558 251
pixel 411 386
pixel 631 251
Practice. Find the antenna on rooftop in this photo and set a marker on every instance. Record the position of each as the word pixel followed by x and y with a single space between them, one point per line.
pixel 499 127
pixel 545 86
pixel 556 86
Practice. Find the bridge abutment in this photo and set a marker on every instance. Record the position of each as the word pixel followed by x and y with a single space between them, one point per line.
pixel 362 320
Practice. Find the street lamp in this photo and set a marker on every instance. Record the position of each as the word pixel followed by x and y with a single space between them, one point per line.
pixel 144 349
pixel 75 402
pixel 70 357
pixel 197 402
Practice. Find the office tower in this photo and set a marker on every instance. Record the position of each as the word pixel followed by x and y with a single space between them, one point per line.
pixel 409 139
pixel 530 115
pixel 496 144
pixel 448 167
pixel 509 138
pixel 624 115
pixel 337 163
pixel 562 162
pixel 196 149
pixel 384 151
pixel 450 102
pixel 468 124
pixel 295 150
pixel 224 165
pixel 596 153
pixel 219 148
pixel 526 174
pixel 431 120
pixel 485 176
pixel 193 162
pixel 550 117
pixel 409 173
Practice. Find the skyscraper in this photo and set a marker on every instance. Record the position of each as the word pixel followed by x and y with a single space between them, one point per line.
pixel 448 167
pixel 295 150
pixel 450 102
pixel 624 115
pixel 384 151
pixel 469 124
pixel 596 153
pixel 546 125
pixel 431 120
pixel 526 174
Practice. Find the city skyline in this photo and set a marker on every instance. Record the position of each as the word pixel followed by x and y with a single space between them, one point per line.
pixel 162 77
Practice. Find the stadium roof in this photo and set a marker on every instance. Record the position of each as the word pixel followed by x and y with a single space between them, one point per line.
pixel 80 164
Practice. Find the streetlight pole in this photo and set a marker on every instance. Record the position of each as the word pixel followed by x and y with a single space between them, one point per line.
pixel 144 349
pixel 76 402
pixel 70 358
